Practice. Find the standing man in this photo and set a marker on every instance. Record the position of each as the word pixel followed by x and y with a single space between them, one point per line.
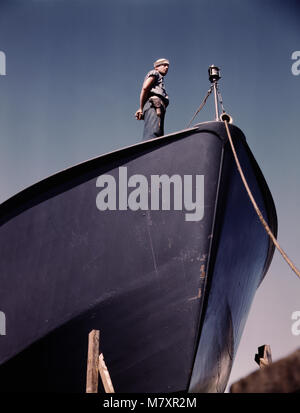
pixel 154 100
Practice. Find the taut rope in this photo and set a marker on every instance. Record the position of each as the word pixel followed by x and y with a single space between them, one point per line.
pixel 262 220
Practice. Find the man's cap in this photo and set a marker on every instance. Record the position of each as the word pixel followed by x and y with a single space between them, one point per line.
pixel 159 62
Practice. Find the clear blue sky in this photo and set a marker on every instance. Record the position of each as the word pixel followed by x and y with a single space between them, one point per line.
pixel 74 73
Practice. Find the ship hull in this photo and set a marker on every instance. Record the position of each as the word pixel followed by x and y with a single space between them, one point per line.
pixel 169 295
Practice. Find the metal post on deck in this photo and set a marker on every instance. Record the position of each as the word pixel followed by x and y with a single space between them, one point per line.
pixel 214 76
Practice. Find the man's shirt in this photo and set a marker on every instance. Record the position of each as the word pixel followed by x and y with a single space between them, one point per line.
pixel 158 88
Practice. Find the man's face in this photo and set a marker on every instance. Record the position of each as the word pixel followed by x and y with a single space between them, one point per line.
pixel 163 69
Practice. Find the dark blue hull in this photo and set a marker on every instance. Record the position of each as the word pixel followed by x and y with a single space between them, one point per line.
pixel 169 296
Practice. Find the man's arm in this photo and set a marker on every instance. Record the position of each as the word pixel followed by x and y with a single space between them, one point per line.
pixel 144 96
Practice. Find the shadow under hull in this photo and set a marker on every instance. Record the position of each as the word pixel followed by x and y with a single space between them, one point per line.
pixel 169 296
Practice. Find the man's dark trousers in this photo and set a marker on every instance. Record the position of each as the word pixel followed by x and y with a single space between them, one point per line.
pixel 153 124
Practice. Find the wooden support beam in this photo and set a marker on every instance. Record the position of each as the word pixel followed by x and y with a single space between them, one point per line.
pixel 92 362
pixel 105 377
pixel 264 356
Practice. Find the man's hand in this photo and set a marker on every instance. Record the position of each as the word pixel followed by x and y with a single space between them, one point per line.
pixel 139 114
pixel 147 85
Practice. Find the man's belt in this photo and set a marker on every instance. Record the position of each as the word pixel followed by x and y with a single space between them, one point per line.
pixel 157 103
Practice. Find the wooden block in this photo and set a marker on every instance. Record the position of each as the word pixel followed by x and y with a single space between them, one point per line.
pixel 105 376
pixel 92 362
pixel 264 356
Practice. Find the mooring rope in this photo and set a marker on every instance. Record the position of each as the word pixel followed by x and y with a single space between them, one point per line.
pixel 262 220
